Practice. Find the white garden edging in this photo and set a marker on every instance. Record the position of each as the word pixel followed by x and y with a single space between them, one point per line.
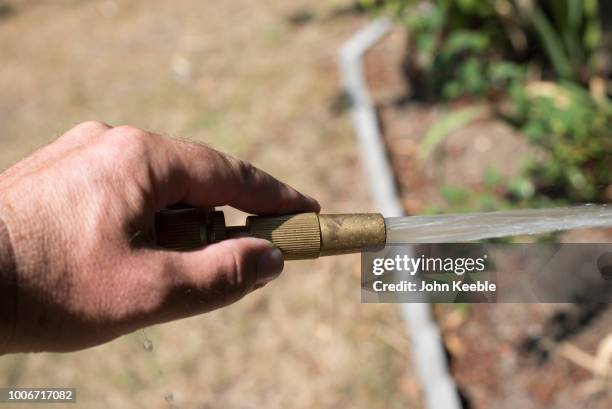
pixel 440 391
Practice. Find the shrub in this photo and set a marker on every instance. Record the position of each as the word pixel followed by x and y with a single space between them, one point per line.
pixel 541 65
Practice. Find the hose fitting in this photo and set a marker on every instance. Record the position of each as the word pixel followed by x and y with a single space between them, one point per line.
pixel 298 236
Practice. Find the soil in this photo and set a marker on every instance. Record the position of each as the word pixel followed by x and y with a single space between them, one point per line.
pixel 502 355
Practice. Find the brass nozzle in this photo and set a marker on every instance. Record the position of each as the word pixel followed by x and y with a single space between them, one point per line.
pixel 298 236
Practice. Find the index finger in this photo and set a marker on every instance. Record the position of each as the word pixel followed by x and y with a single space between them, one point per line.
pixel 204 177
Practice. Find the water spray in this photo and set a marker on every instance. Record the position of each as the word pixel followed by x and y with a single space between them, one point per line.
pixel 311 235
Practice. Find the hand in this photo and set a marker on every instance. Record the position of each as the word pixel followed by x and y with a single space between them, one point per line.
pixel 79 214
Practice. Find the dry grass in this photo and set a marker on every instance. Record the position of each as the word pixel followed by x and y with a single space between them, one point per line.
pixel 234 74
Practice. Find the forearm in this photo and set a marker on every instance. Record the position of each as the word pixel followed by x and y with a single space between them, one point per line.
pixel 8 288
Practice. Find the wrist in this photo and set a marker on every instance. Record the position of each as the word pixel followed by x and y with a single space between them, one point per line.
pixel 8 288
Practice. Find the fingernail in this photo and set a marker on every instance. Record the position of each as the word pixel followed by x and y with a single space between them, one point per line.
pixel 270 266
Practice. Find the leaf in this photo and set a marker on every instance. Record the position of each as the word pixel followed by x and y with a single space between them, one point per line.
pixel 450 122
pixel 572 34
pixel 552 44
pixel 466 40
pixel 454 195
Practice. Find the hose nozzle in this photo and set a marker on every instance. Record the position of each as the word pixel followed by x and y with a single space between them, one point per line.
pixel 298 236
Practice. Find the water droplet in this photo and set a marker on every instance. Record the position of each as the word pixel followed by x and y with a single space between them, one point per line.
pixel 147 345
pixel 169 397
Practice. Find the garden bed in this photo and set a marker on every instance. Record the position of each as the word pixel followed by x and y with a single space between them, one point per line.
pixel 504 355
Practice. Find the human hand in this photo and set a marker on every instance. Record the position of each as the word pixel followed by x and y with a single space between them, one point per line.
pixel 80 214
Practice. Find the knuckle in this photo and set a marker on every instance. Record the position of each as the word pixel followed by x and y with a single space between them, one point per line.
pixel 233 266
pixel 91 126
pixel 84 129
pixel 94 125
pixel 130 133
pixel 245 171
pixel 129 141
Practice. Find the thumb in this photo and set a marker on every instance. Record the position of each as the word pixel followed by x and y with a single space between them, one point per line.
pixel 224 272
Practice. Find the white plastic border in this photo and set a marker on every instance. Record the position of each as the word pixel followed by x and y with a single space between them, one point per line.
pixel 440 391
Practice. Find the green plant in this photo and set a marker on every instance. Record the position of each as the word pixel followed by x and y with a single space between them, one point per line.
pixel 459 47
pixel 538 62
pixel 574 132
pixel 570 36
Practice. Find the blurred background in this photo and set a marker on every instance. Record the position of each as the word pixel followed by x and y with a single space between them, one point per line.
pixel 255 79
pixel 484 105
